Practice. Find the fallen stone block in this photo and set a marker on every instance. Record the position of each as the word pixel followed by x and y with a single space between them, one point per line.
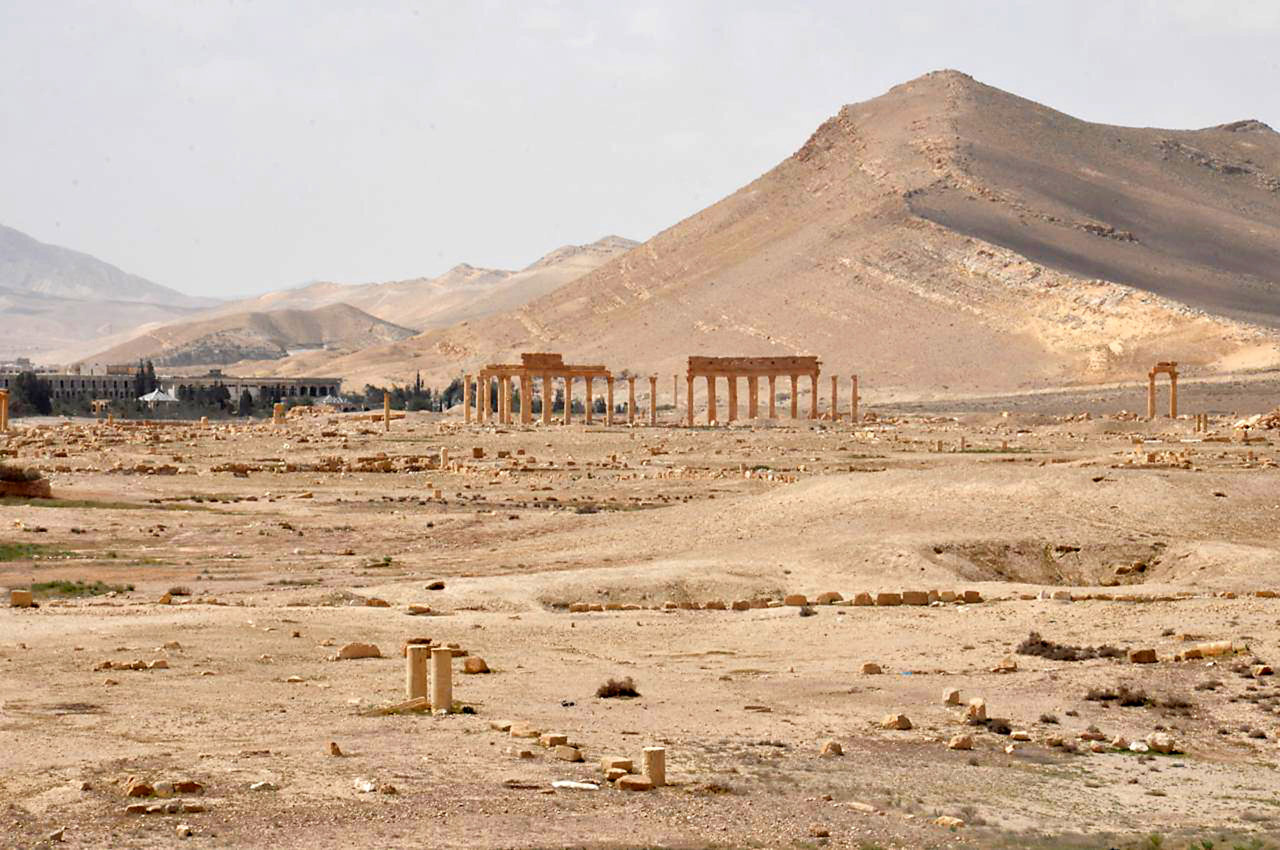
pixel 895 721
pixel 888 599
pixel 21 599
pixel 949 822
pixel 359 650
pixel 632 782
pixel 871 668
pixel 828 597
pixel 972 597
pixel 977 710
pixel 831 748
pixel 1142 656
pixel 796 599
pixel 553 739
pixel 475 664
pixel 960 742
pixel 609 763
pixel 914 597
pixel 564 752
pixel 951 696
pixel 863 599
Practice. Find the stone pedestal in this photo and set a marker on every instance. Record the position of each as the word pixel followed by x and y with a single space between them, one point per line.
pixel 655 765
pixel 441 679
pixel 416 671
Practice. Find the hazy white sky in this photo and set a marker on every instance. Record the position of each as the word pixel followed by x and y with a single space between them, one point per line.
pixel 228 146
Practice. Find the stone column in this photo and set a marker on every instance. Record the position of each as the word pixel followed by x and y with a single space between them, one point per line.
pixel 441 679
pixel 548 396
pixel 4 411
pixel 466 399
pixel 482 397
pixel 675 397
pixel 773 396
pixel 853 401
pixel 653 399
pixel 835 405
pixel 795 401
pixel 711 399
pixel 753 397
pixel 504 406
pixel 386 411
pixel 733 398
pixel 813 402
pixel 688 399
pixel 568 399
pixel 631 400
pixel 415 671
pixel 1151 394
pixel 1173 395
pixel 526 399
pixel 655 765
pixel 590 380
pixel 608 400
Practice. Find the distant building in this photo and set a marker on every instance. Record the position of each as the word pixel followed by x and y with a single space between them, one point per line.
pixel 118 384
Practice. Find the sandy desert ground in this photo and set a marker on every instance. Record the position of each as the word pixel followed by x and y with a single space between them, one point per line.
pixel 256 552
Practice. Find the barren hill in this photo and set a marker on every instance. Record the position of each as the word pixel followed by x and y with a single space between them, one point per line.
pixel 255 336
pixel 52 297
pixel 945 237
pixel 463 292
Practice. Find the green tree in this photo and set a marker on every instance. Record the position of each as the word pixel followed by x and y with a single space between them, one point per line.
pixel 246 403
pixel 31 395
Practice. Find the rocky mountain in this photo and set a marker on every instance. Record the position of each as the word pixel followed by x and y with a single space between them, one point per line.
pixel 946 237
pixel 255 336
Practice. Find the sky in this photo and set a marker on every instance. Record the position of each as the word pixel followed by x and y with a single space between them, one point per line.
pixel 224 147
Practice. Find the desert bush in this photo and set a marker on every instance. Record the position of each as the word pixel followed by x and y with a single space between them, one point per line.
pixel 617 688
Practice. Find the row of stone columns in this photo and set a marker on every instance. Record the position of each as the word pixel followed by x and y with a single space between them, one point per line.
pixel 753 397
pixel 1173 394
pixel 484 395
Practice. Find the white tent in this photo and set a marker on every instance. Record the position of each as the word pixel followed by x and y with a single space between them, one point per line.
pixel 157 395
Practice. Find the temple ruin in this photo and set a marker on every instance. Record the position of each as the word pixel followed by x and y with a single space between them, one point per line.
pixel 1169 368
pixel 753 368
pixel 548 368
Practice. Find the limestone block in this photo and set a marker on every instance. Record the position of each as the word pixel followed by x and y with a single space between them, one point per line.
pixel 524 732
pixel 475 664
pixel 888 599
pixel 871 668
pixel 1161 742
pixel 760 602
pixel 21 599
pixel 741 604
pixel 613 774
pixel 1020 735
pixel 977 710
pixel 947 596
pixel 972 596
pixel 579 608
pixel 630 782
pixel 951 696
pixel 553 739
pixel 564 752
pixel 895 721
pixel 863 598
pixel 1142 656
pixel 795 599
pixel 477 452
pixel 949 822
pixel 609 763
pixel 359 650
pixel 960 742
pixel 1006 665
pixel 832 748
pixel 500 725
pixel 828 598
pixel 1260 670
pixel 716 605
pixel 915 597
